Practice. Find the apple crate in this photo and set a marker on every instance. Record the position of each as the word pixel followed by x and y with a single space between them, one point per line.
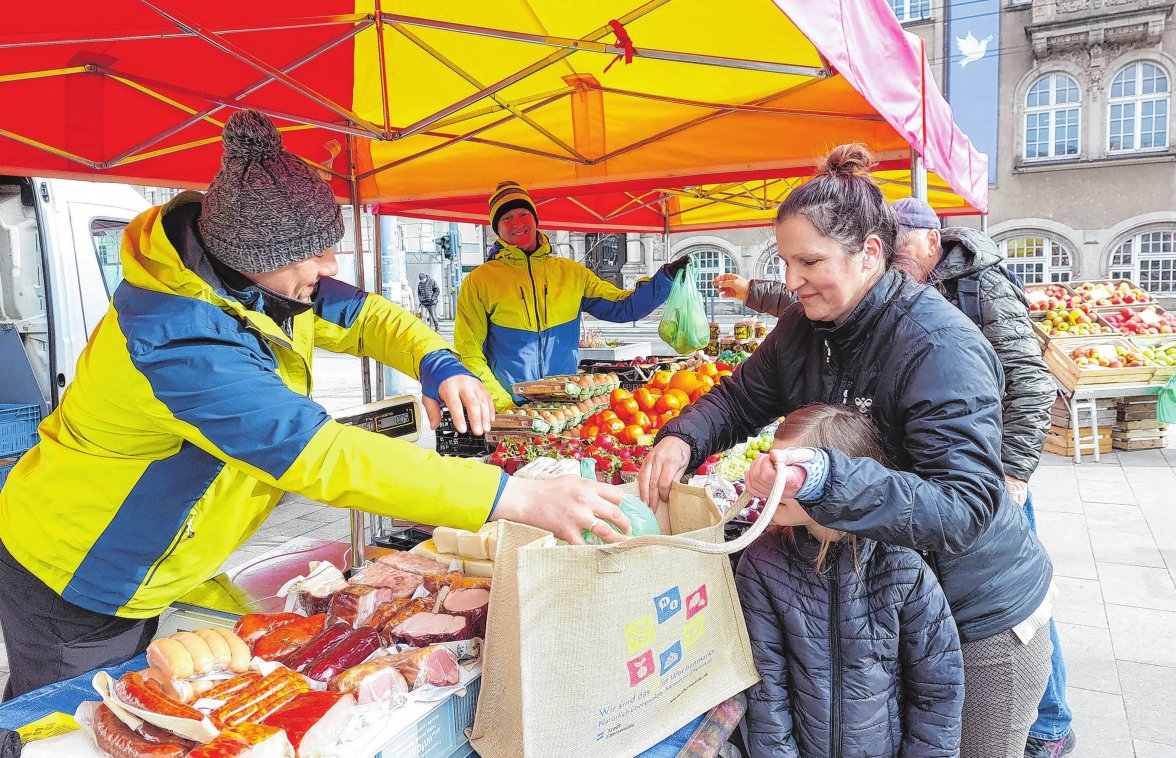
pixel 1038 318
pixel 1071 375
pixel 1112 284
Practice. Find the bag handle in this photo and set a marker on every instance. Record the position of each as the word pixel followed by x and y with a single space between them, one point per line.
pixel 710 548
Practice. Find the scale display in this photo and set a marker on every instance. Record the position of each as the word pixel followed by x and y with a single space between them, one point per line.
pixel 398 417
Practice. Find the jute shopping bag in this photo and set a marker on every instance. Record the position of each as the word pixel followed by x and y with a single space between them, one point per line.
pixel 604 651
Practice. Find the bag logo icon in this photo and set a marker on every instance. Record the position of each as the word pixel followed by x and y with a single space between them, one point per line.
pixel 671 657
pixel 640 668
pixel 668 603
pixel 694 630
pixel 695 602
pixel 640 633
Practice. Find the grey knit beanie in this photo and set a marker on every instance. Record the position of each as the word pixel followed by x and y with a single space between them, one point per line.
pixel 266 208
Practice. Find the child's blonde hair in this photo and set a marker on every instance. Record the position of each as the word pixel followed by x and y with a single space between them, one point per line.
pixel 836 427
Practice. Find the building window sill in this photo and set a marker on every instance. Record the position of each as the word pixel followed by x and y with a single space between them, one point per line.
pixel 917 22
pixel 1129 159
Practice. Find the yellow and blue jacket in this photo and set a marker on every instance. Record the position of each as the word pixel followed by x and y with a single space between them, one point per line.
pixel 518 315
pixel 191 415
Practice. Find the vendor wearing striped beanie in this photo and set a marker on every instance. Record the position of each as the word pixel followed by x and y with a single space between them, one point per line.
pixel 518 314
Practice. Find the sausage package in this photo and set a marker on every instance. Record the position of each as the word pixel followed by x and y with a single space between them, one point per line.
pixel 198 731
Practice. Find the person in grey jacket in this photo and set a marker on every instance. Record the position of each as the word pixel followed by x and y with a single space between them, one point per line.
pixel 427 294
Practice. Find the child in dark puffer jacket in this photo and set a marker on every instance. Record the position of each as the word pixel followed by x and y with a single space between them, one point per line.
pixel 854 641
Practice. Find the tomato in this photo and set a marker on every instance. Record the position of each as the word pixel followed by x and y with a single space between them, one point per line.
pixel 687 381
pixel 707 369
pixel 660 419
pixel 702 390
pixel 644 399
pixel 589 432
pixel 605 415
pixel 618 395
pixel 661 380
pixel 630 433
pixel 626 408
pixel 706 381
pixel 613 426
pixel 641 419
pixel 666 403
pixel 683 398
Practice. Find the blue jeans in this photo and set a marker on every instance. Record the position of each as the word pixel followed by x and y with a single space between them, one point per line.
pixel 1053 714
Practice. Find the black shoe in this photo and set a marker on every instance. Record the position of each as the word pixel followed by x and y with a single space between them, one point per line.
pixel 1036 748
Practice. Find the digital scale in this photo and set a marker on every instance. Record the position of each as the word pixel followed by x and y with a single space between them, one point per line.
pixel 399 418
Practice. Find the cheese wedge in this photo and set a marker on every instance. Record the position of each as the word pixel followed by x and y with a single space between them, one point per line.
pixel 426 549
pixel 446 539
pixel 472 545
pixel 476 567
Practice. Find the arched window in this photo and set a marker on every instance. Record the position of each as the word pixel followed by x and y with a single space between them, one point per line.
pixel 1052 117
pixel 771 266
pixel 1149 260
pixel 1038 260
pixel 1139 101
pixel 711 263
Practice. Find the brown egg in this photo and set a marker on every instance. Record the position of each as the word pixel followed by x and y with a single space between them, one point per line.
pixel 551 419
pixel 534 414
pixel 585 383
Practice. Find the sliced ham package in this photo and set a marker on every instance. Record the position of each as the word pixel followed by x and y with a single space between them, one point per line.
pixel 402 583
pixel 435 664
pixel 378 680
pixel 413 564
pixel 424 629
pixel 472 605
pixel 313 721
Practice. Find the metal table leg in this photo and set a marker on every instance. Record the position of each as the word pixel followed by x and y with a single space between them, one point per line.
pixel 1093 406
pixel 1075 429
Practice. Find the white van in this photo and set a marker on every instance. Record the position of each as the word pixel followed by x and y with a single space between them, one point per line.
pixel 59 266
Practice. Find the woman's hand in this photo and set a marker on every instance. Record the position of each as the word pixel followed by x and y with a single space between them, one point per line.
pixel 566 507
pixel 664 465
pixel 761 477
pixel 732 285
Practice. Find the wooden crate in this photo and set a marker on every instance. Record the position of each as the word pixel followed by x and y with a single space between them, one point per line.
pixel 1106 412
pixel 1153 443
pixel 1060 440
pixel 1133 426
pixel 1071 375
pixel 1136 409
pixel 1038 318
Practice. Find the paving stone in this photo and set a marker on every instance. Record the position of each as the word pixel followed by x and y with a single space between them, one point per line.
pixel 1100 472
pixel 1143 635
pixel 1142 459
pixel 1101 722
pixel 1080 602
pixel 327 514
pixel 1137 586
pixel 296 510
pixel 1105 491
pixel 1058 461
pixel 1145 749
pixel 1124 547
pixel 1064 536
pixel 1149 695
pixel 291 528
pixel 1161 519
pixel 1089 657
pixel 1114 517
pixel 1056 497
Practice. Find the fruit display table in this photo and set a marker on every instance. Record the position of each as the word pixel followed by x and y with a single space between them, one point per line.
pixel 1082 398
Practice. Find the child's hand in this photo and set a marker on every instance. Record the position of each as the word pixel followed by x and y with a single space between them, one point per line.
pixel 761 477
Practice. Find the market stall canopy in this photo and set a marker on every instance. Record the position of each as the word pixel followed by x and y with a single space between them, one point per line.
pixel 441 101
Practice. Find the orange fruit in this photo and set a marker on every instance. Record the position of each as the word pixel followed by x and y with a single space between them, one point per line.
pixel 613 426
pixel 660 380
pixel 626 408
pixel 683 398
pixel 641 419
pixel 653 390
pixel 707 369
pixel 629 434
pixel 706 381
pixel 686 381
pixel 618 395
pixel 667 403
pixel 702 390
pixel 645 399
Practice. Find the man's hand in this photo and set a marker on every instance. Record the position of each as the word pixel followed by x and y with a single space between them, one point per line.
pixel 463 394
pixel 664 465
pixel 566 507
pixel 761 477
pixel 732 285
pixel 1018 489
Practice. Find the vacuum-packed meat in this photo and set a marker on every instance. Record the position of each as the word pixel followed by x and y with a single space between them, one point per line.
pixel 413 564
pixel 355 605
pixel 288 638
pixel 254 626
pixel 402 583
pixel 431 628
pixel 435 665
pixel 118 740
pixel 385 612
pixel 259 700
pixel 130 689
pixel 326 640
pixel 170 657
pixel 472 605
pixel 247 741
pixel 374 681
pixel 222 657
pixel 454 580
pixel 229 687
pixel 314 592
pixel 356 648
pixel 313 721
pixel 239 653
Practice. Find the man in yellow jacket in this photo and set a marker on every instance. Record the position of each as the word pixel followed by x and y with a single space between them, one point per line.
pixel 518 314
pixel 190 416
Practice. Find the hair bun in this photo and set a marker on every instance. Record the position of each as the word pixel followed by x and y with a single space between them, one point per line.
pixel 853 159
pixel 250 135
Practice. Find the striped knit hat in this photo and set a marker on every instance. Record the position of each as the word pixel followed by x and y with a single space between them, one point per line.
pixel 508 196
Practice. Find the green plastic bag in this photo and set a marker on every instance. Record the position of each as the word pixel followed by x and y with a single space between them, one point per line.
pixel 684 325
pixel 640 517
pixel 1166 405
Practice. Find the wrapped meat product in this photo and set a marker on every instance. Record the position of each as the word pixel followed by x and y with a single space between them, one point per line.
pixel 402 583
pixel 371 682
pixel 229 687
pixel 261 699
pixel 436 665
pixel 118 740
pixel 254 626
pixel 247 741
pixel 413 564
pixel 407 611
pixel 431 628
pixel 434 583
pixel 313 721
pixel 300 659
pixel 313 594
pixel 288 638
pixel 385 612
pixel 355 605
pixel 471 604
pixel 353 650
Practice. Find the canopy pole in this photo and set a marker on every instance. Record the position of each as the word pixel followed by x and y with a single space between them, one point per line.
pixel 358 525
pixel 378 275
pixel 984 222
pixel 918 176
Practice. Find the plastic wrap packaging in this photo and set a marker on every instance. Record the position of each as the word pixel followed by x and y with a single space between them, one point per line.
pixel 312 593
pixel 402 583
pixel 355 605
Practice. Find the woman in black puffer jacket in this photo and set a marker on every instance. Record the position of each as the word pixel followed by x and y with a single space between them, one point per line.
pixel 838 620
pixel 865 334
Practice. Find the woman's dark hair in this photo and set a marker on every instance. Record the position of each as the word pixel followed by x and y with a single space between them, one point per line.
pixel 844 204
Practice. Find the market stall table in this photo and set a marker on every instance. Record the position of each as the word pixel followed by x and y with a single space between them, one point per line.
pixel 1082 399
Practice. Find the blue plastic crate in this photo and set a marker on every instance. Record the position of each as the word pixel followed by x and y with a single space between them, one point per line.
pixel 441 732
pixel 5 467
pixel 18 428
